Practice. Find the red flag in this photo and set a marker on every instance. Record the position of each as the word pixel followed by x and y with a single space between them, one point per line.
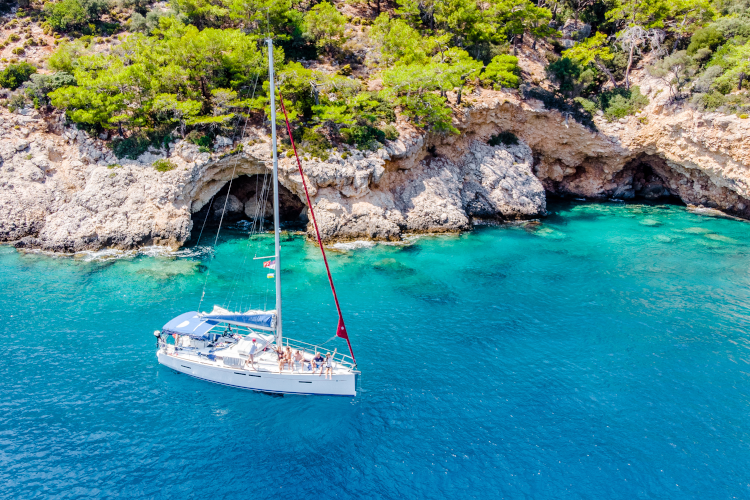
pixel 341 330
pixel 270 264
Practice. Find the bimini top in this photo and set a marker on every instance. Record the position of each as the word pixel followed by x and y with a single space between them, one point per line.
pixel 189 323
pixel 197 325
pixel 264 320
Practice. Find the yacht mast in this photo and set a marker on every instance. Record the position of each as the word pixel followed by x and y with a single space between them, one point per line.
pixel 275 193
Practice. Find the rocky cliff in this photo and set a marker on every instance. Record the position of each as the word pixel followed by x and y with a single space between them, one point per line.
pixel 64 191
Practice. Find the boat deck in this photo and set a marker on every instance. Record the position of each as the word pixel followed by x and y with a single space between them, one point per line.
pixel 232 358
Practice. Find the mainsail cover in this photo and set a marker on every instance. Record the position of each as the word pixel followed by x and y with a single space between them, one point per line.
pixel 264 320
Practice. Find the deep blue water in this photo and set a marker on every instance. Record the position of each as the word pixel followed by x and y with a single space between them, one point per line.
pixel 600 355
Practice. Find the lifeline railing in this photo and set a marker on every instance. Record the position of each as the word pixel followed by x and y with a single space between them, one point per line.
pixel 339 357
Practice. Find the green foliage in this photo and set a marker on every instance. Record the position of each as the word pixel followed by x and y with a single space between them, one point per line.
pixel 15 74
pixel 150 22
pixel 200 139
pixel 588 105
pixel 67 55
pixel 170 78
pixel 674 69
pixel 202 13
pixel 311 142
pixel 412 85
pixel 715 101
pixel 324 25
pixel 42 85
pixel 365 137
pixel 139 142
pixel 474 25
pixel 17 101
pixel 395 41
pixel 573 78
pixel 615 103
pixel 733 26
pixel 66 15
pixel 507 138
pixel 708 37
pixel 390 131
pixel 164 165
pixel 646 13
pixel 503 71
pixel 619 103
pixel 553 101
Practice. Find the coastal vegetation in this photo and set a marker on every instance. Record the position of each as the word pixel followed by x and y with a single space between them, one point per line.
pixel 143 73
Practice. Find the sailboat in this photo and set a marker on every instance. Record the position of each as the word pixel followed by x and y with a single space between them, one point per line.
pixel 242 349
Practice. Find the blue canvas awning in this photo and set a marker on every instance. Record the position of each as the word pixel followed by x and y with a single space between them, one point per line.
pixel 190 323
pixel 264 320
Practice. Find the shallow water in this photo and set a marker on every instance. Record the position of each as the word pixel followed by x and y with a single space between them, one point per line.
pixel 600 354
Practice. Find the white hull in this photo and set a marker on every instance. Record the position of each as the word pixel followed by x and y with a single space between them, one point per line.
pixel 341 384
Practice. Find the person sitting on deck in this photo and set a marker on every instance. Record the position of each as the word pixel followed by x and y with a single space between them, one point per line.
pixel 298 359
pixel 329 365
pixel 251 355
pixel 317 362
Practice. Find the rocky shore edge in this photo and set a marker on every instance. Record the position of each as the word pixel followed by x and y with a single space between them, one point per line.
pixel 62 190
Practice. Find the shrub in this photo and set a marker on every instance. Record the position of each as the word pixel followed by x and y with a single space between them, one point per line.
pixel 703 82
pixel 14 75
pixel 503 71
pixel 708 37
pixel 18 51
pixel 137 144
pixel 365 137
pixel 712 101
pixel 13 37
pixel 164 165
pixel 204 141
pixel 589 106
pixel 390 131
pixel 620 103
pixel 733 26
pixel 324 25
pixel 312 142
pixel 505 137
pixel 67 15
pixel 17 101
pixel 42 85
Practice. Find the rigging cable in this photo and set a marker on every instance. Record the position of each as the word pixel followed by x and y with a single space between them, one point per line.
pixel 226 199
pixel 341 328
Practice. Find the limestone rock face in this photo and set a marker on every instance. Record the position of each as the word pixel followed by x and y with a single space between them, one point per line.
pixel 256 208
pixel 63 190
pixel 501 181
pixel 228 203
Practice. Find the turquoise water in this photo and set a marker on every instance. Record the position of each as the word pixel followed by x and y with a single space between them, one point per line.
pixel 600 354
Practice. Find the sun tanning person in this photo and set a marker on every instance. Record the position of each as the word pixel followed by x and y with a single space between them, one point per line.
pixel 299 358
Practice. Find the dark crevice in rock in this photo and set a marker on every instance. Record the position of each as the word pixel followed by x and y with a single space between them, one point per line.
pixel 250 197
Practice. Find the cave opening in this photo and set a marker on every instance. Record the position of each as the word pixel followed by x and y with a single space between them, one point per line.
pixel 250 196
pixel 649 179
